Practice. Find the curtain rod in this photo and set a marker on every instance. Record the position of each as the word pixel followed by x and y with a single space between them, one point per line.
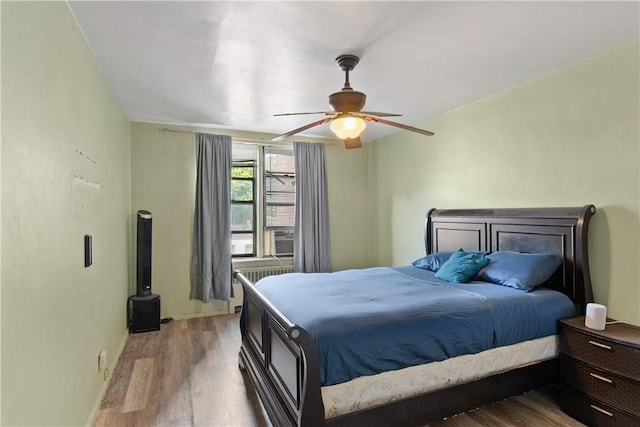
pixel 235 139
pixel 240 140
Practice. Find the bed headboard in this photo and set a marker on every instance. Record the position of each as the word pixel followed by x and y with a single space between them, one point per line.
pixel 561 231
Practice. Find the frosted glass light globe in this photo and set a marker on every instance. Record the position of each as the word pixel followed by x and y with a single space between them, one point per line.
pixel 348 127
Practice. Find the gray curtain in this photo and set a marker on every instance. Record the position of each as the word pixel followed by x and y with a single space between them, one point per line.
pixel 311 242
pixel 211 251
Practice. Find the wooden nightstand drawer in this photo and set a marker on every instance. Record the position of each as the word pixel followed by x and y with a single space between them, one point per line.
pixel 593 412
pixel 617 391
pixel 598 349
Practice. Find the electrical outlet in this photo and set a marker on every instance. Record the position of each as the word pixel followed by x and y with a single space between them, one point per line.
pixel 102 360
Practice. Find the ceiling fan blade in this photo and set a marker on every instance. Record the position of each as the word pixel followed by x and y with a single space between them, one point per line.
pixel 300 114
pixel 375 113
pixel 398 125
pixel 332 113
pixel 300 129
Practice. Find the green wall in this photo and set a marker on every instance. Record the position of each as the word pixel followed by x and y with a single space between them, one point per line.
pixel 568 138
pixel 163 176
pixel 65 173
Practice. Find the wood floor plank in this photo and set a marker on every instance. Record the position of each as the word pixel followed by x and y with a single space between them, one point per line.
pixel 138 389
pixel 508 411
pixel 211 409
pixel 176 409
pixel 489 417
pixel 460 420
pixel 119 381
pixel 113 417
pixel 543 404
pixel 530 414
pixel 176 383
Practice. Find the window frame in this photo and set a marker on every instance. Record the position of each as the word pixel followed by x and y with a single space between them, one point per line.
pixel 252 202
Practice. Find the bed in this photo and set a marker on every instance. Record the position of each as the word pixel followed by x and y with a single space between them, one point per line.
pixel 287 362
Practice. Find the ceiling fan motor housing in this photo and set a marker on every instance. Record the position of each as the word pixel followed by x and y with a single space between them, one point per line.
pixel 347 101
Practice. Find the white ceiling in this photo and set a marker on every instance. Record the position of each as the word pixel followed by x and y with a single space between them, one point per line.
pixel 233 64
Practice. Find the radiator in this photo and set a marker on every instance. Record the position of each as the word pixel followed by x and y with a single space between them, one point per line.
pixel 253 274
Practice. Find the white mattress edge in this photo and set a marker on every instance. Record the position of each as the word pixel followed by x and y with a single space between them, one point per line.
pixel 375 390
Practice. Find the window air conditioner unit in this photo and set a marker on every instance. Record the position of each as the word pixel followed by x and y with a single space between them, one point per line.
pixel 282 242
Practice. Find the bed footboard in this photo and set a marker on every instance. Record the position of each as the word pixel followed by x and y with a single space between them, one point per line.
pixel 281 360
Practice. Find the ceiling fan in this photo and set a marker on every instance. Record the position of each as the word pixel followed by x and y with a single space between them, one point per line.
pixel 347 119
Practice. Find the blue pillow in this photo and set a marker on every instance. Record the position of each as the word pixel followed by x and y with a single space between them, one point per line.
pixel 434 261
pixel 520 270
pixel 461 266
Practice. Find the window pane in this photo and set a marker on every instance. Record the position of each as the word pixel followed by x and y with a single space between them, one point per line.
pixel 242 170
pixel 242 244
pixel 280 189
pixel 241 190
pixel 280 216
pixel 279 160
pixel 279 242
pixel 244 152
pixel 241 217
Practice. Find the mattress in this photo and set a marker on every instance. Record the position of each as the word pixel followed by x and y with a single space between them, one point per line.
pixel 374 390
pixel 369 321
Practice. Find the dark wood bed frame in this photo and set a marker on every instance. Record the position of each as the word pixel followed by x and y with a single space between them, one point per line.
pixel 281 358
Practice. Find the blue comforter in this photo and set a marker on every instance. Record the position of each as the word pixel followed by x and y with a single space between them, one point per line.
pixel 379 319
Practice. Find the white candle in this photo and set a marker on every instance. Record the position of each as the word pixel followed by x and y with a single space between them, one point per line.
pixel 596 317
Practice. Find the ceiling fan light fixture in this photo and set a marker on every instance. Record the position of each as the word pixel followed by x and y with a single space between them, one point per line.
pixel 348 127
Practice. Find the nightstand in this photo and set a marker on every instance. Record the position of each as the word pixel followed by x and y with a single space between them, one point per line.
pixel 600 372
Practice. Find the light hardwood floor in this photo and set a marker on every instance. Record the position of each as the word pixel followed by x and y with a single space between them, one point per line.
pixel 187 374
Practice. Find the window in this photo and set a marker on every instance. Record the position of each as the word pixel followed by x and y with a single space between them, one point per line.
pixel 262 225
pixel 279 200
pixel 243 196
